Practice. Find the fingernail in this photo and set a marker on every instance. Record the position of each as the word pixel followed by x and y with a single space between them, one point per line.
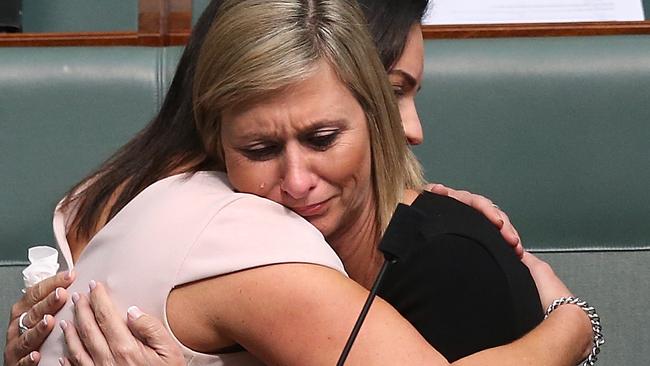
pixel 61 361
pixel 134 312
pixel 32 356
pixel 44 321
pixel 63 324
pixel 75 297
pixel 56 293
pixel 92 284
pixel 500 223
pixel 68 275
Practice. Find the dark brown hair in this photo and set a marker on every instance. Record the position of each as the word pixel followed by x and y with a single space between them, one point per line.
pixel 389 23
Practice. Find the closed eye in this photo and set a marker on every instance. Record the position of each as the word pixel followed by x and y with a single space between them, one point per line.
pixel 322 139
pixel 399 91
pixel 261 151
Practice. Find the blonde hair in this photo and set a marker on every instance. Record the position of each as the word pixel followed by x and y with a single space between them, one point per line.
pixel 257 47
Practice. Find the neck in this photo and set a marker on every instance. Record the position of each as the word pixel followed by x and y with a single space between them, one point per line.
pixel 356 245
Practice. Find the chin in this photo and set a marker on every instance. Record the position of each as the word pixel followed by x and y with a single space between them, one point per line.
pixel 322 224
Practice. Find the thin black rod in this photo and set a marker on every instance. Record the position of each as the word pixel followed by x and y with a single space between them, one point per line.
pixel 364 313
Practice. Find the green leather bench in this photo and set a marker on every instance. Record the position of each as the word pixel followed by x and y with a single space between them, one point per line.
pixel 555 130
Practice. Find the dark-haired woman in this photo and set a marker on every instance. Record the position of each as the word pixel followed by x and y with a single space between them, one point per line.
pixel 459 254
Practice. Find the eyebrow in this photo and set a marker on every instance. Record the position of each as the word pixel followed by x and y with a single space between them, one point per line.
pixel 407 77
pixel 339 122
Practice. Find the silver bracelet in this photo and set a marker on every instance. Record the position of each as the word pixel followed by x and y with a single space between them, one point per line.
pixel 599 340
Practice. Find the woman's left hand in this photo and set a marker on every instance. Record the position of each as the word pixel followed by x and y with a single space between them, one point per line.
pixel 488 209
pixel 100 336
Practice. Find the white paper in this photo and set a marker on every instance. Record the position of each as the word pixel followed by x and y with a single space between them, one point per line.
pixel 44 262
pixel 531 11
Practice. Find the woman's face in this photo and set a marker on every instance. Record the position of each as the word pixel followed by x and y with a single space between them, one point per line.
pixel 307 148
pixel 406 77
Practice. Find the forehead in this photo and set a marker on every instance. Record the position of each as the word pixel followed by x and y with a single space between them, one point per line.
pixel 321 97
pixel 411 60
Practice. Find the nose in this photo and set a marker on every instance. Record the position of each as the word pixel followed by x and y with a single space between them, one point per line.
pixel 298 179
pixel 411 123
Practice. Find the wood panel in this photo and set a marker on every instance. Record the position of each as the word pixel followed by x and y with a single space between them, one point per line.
pixel 169 22
pixel 68 39
pixel 536 30
pixel 160 23
pixel 179 21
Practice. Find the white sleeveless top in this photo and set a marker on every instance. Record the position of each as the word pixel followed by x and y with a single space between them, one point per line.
pixel 178 230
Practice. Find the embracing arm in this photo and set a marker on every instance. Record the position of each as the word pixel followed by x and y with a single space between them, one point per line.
pixel 305 313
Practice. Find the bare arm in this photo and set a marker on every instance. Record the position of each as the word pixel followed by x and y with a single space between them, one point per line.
pixel 306 306
pixel 302 314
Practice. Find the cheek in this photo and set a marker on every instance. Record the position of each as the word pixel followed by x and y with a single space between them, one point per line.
pixel 247 176
pixel 350 166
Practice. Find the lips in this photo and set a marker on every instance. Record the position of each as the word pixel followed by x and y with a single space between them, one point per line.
pixel 311 210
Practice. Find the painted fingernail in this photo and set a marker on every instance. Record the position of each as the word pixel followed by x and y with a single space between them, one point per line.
pixel 63 324
pixel 134 312
pixel 32 356
pixel 92 284
pixel 57 296
pixel 75 297
pixel 61 361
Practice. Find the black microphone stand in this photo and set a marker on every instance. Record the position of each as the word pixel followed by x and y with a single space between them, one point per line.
pixel 364 312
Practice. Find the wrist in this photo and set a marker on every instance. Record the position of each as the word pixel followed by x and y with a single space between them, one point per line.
pixel 580 322
pixel 585 322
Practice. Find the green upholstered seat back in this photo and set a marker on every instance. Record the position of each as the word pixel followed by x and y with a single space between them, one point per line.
pixel 554 130
pixel 62 112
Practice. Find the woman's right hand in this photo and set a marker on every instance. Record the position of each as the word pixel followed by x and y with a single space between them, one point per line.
pixel 40 302
pixel 100 336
